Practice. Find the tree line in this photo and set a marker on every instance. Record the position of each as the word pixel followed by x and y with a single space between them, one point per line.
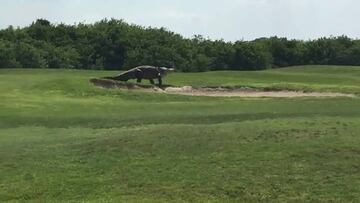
pixel 116 45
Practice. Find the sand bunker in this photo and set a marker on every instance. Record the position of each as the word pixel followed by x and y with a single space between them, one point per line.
pixel 213 92
pixel 241 92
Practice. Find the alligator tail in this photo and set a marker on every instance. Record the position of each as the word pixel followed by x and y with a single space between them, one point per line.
pixel 109 78
pixel 122 77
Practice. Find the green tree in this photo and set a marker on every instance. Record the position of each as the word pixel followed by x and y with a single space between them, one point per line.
pixel 28 56
pixel 7 55
pixel 249 56
pixel 114 45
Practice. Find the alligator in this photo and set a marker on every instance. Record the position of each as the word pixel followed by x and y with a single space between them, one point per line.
pixel 143 72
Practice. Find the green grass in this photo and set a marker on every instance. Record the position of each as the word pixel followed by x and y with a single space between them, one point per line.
pixel 308 78
pixel 61 139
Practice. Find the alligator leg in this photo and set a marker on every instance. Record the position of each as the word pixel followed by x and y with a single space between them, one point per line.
pixel 160 81
pixel 138 75
pixel 151 81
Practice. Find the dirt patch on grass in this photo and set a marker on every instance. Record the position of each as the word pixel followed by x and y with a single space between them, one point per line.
pixel 213 91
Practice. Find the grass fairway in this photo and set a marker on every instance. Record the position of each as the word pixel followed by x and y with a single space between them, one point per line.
pixel 62 139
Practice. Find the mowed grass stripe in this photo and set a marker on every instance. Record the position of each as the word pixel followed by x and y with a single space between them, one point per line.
pixel 262 160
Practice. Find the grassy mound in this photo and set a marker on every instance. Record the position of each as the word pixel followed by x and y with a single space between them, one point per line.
pixel 62 139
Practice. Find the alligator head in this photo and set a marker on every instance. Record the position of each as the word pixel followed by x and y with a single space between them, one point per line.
pixel 164 71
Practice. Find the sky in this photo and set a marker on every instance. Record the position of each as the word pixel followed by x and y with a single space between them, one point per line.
pixel 229 20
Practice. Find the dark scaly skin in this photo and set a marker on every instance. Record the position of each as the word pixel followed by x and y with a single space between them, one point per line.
pixel 143 72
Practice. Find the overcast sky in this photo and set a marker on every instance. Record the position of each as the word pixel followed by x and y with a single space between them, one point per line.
pixel 217 19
